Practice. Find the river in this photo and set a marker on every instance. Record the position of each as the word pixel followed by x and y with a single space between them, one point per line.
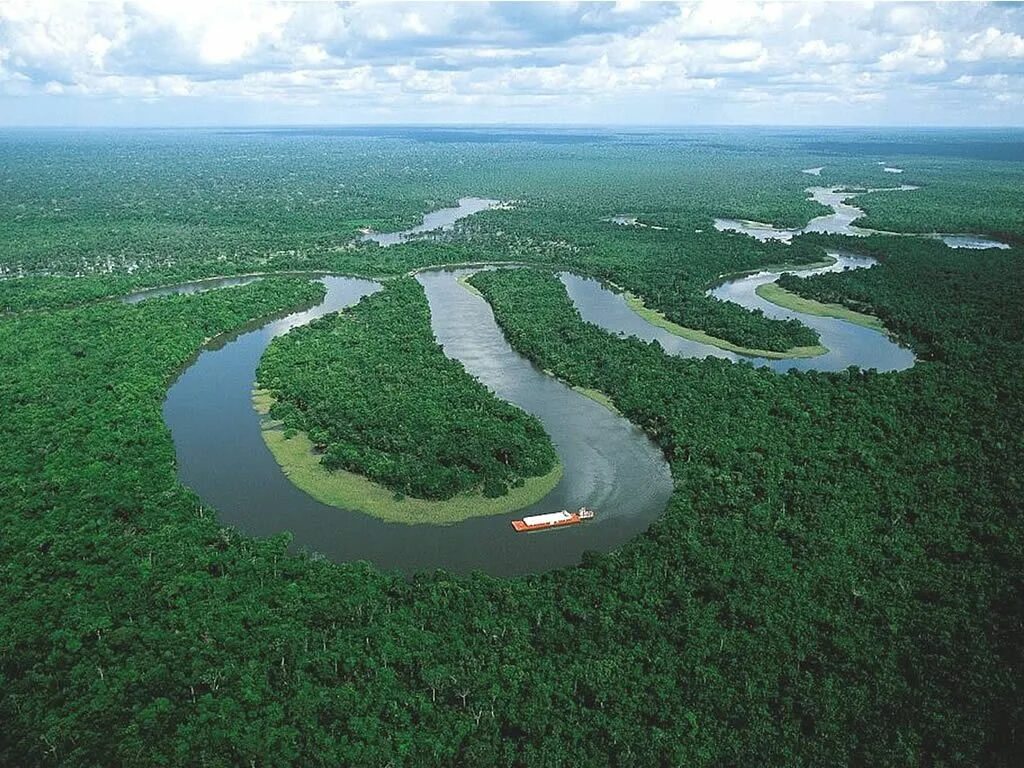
pixel 841 221
pixel 847 344
pixel 609 464
pixel 441 219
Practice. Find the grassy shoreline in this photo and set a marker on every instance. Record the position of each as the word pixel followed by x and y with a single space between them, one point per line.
pixel 598 397
pixel 778 295
pixel 654 317
pixel 349 490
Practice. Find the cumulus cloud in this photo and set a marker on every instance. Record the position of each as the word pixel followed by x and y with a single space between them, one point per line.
pixel 819 50
pixel 993 44
pixel 921 53
pixel 628 60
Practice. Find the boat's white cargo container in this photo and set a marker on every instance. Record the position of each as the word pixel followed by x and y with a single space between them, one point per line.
pixel 549 519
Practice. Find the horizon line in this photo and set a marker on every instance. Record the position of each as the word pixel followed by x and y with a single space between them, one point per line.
pixel 500 125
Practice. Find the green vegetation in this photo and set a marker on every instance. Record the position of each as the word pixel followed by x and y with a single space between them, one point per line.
pixel 296 200
pixel 976 289
pixel 25 293
pixel 838 578
pixel 376 392
pixel 300 461
pixel 657 318
pixel 938 206
pixel 823 502
pixel 776 294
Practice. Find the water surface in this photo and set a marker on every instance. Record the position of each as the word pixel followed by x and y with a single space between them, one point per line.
pixel 838 222
pixel 197 286
pixel 841 220
pixel 441 219
pixel 609 464
pixel 848 344
pixel 971 242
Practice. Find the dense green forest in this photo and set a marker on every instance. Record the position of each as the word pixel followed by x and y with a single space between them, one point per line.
pixel 861 509
pixel 979 318
pixel 375 390
pixel 837 580
pixel 131 204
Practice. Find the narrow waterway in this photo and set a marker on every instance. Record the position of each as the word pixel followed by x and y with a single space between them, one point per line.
pixel 971 242
pixel 847 344
pixel 841 221
pixel 441 219
pixel 197 286
pixel 838 222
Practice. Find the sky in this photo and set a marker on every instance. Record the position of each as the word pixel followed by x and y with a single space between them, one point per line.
pixel 214 62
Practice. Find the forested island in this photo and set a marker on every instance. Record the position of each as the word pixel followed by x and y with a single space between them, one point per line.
pixel 837 579
pixel 374 394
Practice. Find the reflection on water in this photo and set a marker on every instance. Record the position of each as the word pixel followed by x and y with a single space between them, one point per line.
pixel 838 222
pixel 972 242
pixel 609 463
pixel 625 220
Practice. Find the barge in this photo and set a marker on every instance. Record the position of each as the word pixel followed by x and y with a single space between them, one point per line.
pixel 552 520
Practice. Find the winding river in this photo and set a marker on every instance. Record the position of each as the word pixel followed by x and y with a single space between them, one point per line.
pixel 847 344
pixel 609 463
pixel 841 220
pixel 838 222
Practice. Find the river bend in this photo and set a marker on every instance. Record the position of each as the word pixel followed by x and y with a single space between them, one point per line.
pixel 609 463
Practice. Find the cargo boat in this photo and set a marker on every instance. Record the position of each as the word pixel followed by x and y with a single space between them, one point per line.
pixel 552 520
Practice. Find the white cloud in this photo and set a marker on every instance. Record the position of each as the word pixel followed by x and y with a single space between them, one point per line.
pixel 412 22
pixel 906 19
pixel 312 54
pixel 920 54
pixel 742 50
pixel 984 81
pixel 993 44
pixel 408 57
pixel 819 50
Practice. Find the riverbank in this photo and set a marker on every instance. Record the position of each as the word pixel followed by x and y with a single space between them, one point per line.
pixel 656 318
pixel 348 490
pixel 778 295
pixel 598 397
pixel 463 280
